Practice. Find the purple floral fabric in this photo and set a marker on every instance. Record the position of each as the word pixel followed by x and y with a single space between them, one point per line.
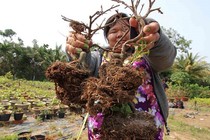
pixel 145 101
pixel 94 126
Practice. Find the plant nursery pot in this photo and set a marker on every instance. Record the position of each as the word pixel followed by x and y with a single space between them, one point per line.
pixel 49 116
pixel 42 116
pixel 24 135
pixel 64 107
pixel 37 110
pixel 61 114
pixel 177 98
pixel 31 101
pixel 18 116
pixel 171 99
pixel 4 101
pixel 13 102
pixel 5 117
pixel 38 137
pixel 6 105
pixel 55 110
pixel 23 106
pixel 184 98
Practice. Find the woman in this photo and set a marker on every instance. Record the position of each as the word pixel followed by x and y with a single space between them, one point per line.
pixel 150 96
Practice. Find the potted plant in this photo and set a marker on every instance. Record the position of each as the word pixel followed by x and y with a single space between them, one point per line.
pixel 64 107
pixel 31 101
pixel 24 135
pixel 49 113
pixel 38 108
pixel 39 104
pixel 54 105
pixel 42 115
pixel 61 113
pixel 13 102
pixel 6 105
pixel 184 98
pixel 18 114
pixel 38 137
pixel 5 114
pixel 23 104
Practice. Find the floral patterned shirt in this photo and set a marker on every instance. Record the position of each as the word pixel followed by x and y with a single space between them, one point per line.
pixel 145 101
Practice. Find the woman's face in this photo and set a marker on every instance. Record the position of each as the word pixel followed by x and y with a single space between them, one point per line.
pixel 118 30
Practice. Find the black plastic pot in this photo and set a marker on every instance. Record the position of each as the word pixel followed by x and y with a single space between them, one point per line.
pixel 42 116
pixel 24 135
pixel 5 117
pixel 18 116
pixel 49 116
pixel 38 137
pixel 61 114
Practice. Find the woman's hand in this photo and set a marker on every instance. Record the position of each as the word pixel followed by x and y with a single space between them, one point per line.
pixel 77 43
pixel 150 31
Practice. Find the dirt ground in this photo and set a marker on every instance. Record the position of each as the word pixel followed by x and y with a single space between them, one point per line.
pixel 67 128
pixel 190 116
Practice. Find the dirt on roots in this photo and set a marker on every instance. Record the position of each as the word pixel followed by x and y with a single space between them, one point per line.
pixel 116 85
pixel 68 79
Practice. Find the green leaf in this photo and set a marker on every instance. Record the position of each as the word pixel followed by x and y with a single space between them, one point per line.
pixel 123 108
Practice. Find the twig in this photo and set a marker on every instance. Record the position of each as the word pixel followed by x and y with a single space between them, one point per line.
pixel 90 32
pixel 140 19
pixel 83 125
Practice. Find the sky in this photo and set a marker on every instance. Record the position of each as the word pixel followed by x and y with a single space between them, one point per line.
pixel 41 19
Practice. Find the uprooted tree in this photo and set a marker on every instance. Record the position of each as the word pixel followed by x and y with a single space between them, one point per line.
pixel 69 77
pixel 113 91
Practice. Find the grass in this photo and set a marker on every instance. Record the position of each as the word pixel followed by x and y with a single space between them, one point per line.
pixel 188 130
pixel 201 104
pixel 183 128
pixel 9 137
pixel 32 88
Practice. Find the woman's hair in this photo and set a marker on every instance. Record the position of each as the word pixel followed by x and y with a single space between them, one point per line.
pixel 112 19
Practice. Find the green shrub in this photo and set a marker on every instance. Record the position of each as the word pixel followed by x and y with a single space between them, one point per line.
pixel 177 91
pixel 195 90
pixel 180 78
pixel 201 101
pixel 9 75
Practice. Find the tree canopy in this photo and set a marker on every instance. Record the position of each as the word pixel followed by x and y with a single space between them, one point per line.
pixel 26 62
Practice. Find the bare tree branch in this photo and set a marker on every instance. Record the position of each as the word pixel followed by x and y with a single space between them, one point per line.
pixel 87 30
pixel 140 19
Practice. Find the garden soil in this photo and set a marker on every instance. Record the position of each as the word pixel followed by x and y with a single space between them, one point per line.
pixel 69 127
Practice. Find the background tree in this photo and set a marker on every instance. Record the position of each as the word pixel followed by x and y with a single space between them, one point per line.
pixel 194 65
pixel 182 44
pixel 189 76
pixel 7 33
pixel 26 62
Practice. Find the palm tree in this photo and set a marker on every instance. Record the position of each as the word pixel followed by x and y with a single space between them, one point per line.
pixel 194 65
pixel 59 54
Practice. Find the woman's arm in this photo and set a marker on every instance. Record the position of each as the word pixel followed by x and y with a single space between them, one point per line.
pixel 162 55
pixel 78 47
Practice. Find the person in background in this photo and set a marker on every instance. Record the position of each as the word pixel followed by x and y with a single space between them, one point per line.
pixel 165 85
pixel 150 96
pixel 179 104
